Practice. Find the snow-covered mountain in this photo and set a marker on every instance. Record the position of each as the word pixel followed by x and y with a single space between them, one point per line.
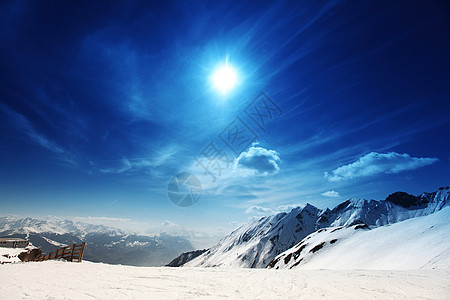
pixel 417 243
pixel 255 245
pixel 104 244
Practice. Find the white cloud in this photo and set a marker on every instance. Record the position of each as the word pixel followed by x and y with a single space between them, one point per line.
pixel 258 210
pixel 265 211
pixel 127 225
pixel 287 208
pixel 235 223
pixel 100 220
pixel 377 163
pixel 168 223
pixel 331 194
pixel 257 161
pixel 199 237
pixel 254 218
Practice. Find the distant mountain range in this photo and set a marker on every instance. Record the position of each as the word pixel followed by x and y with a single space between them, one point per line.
pixel 256 245
pixel 104 244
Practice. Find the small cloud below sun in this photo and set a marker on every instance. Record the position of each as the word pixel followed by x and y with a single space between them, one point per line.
pixel 257 161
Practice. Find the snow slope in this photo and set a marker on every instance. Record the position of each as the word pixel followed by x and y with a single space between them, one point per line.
pixel 10 255
pixel 64 280
pixel 185 257
pixel 255 245
pixel 418 243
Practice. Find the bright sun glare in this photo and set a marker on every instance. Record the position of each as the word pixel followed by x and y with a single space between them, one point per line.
pixel 224 78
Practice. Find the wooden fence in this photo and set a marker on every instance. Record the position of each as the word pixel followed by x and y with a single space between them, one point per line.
pixel 70 253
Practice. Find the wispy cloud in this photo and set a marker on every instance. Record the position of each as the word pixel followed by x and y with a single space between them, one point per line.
pixel 24 125
pixel 331 194
pixel 133 165
pixel 258 161
pixel 128 166
pixel 377 163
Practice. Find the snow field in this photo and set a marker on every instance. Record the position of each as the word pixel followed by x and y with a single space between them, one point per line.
pixel 64 280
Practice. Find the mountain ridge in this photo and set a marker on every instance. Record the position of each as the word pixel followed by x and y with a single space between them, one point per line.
pixel 256 244
pixel 416 243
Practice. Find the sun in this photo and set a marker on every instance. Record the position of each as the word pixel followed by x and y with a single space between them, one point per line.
pixel 224 78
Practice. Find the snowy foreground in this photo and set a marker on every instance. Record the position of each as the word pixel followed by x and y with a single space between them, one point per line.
pixel 64 280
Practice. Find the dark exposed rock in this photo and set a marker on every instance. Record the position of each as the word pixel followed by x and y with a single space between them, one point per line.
pixel 336 229
pixel 361 226
pixel 185 257
pixel 317 248
pixel 299 250
pixel 342 205
pixel 275 238
pixel 296 264
pixel 30 255
pixel 404 199
pixel 287 258
pixel 274 262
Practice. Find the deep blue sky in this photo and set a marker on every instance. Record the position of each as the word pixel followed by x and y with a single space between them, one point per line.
pixel 101 103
